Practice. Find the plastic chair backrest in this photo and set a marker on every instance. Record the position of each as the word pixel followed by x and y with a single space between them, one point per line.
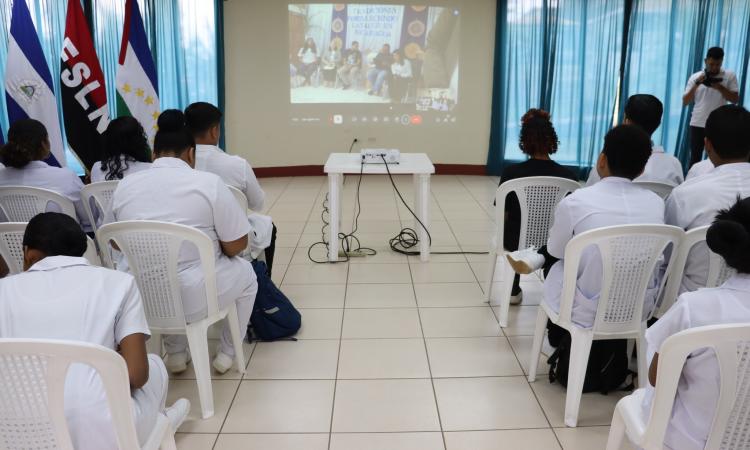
pixel 99 196
pixel 152 250
pixel 730 428
pixel 629 255
pixel 661 189
pixel 21 203
pixel 239 196
pixel 538 197
pixel 32 383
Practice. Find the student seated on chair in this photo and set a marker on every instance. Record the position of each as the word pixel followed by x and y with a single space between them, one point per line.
pixel 698 388
pixel 24 154
pixel 696 202
pixel 61 296
pixel 125 148
pixel 645 111
pixel 538 140
pixel 172 191
pixel 204 121
pixel 615 200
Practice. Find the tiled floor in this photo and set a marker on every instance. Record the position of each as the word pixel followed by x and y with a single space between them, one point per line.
pixel 394 353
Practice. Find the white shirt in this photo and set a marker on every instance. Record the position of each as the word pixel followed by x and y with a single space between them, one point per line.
pixel 708 99
pixel 307 56
pixel 402 70
pixel 698 388
pixel 234 170
pixel 173 192
pixel 695 203
pixel 612 201
pixel 661 168
pixel 700 168
pixel 132 167
pixel 58 179
pixel 64 297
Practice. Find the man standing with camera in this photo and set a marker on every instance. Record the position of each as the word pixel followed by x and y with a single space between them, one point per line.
pixel 710 88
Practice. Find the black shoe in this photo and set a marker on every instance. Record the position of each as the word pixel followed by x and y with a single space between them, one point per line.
pixel 346 86
pixel 371 92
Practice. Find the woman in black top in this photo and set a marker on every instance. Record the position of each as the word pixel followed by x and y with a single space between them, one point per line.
pixel 538 140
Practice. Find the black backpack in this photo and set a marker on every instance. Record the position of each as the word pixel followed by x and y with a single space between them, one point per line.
pixel 273 317
pixel 607 369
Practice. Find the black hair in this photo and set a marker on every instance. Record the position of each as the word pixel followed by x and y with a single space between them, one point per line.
pixel 627 148
pixel 644 110
pixel 537 136
pixel 312 47
pixel 201 117
pixel 27 140
pixel 173 136
pixel 729 235
pixel 355 42
pixel 55 234
pixel 728 129
pixel 715 53
pixel 124 137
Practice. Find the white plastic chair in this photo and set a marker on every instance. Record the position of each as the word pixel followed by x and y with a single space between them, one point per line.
pixel 11 247
pixel 239 196
pixel 152 250
pixel 538 197
pixel 99 196
pixel 661 189
pixel 21 203
pixel 630 254
pixel 718 270
pixel 32 383
pixel 730 428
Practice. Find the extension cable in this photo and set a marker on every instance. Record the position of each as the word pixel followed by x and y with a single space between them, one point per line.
pixel 353 254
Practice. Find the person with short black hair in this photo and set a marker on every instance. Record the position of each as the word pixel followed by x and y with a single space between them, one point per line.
pixel 125 149
pixel 380 72
pixel 352 66
pixel 696 201
pixel 63 297
pixel 698 389
pixel 172 191
pixel 709 89
pixel 645 111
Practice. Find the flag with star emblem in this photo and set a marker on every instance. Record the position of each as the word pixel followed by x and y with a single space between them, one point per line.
pixel 137 86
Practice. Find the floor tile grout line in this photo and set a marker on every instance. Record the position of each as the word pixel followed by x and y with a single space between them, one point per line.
pixel 338 361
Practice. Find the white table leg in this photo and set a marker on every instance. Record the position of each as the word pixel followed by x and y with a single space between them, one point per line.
pixel 334 208
pixel 422 209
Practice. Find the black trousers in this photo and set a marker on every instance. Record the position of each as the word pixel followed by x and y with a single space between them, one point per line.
pixel 697 136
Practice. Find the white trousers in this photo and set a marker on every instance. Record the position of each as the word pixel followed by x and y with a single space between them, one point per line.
pixel 150 400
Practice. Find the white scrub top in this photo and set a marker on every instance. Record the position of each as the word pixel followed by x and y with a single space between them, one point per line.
pixel 59 179
pixel 132 167
pixel 612 201
pixel 698 388
pixel 661 168
pixel 707 99
pixel 700 168
pixel 63 297
pixel 695 203
pixel 234 170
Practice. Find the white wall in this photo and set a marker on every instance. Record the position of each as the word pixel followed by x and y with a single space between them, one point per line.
pixel 257 116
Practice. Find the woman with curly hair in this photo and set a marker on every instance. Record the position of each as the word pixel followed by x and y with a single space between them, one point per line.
pixel 538 140
pixel 125 151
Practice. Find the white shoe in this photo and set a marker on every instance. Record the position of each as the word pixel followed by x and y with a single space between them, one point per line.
pixel 222 362
pixel 177 362
pixel 525 261
pixel 178 412
pixel 516 299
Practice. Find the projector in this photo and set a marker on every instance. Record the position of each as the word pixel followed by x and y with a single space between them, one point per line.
pixel 376 156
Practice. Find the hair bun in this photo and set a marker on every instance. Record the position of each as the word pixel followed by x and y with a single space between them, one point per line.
pixel 171 120
pixel 727 238
pixel 535 113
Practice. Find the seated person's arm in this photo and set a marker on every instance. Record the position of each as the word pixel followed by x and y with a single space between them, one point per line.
pixel 234 248
pixel 652 369
pixel 230 221
pixel 561 231
pixel 133 350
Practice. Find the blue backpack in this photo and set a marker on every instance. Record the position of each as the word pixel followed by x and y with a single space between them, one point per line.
pixel 273 317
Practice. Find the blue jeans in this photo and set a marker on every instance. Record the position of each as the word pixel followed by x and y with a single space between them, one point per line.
pixel 377 77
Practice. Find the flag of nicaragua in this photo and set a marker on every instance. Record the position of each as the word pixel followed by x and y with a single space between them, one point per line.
pixel 29 92
pixel 137 86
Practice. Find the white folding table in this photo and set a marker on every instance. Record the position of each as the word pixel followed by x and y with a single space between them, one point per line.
pixel 416 164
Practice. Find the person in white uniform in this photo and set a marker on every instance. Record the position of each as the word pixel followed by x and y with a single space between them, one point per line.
pixel 698 388
pixel 645 111
pixel 615 200
pixel 709 89
pixel 204 121
pixel 61 296
pixel 172 191
pixel 696 202
pixel 125 148
pixel 700 168
pixel 24 154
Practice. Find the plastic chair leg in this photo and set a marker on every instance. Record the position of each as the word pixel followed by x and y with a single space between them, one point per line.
pixel 234 328
pixel 642 360
pixel 491 263
pixel 579 357
pixel 536 346
pixel 505 293
pixel 616 432
pixel 197 335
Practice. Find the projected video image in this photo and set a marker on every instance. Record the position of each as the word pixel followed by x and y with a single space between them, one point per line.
pixel 374 54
